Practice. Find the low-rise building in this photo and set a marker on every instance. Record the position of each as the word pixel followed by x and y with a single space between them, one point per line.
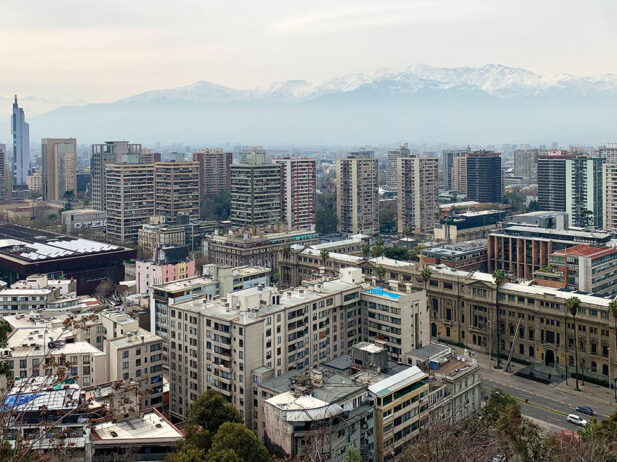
pixel 313 414
pixel 584 268
pixel 242 248
pixel 74 221
pixel 454 382
pixel 170 263
pixel 468 225
pixel 466 256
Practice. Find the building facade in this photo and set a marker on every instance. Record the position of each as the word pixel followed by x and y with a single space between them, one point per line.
pixel 392 166
pixel 176 189
pixel 214 171
pixel 418 188
pixel 449 159
pixel 111 152
pixel 484 177
pixel 59 161
pixel 129 199
pixel 526 165
pixel 299 192
pixel 459 175
pixel 609 206
pixel 357 193
pixel 584 191
pixel 21 146
pixel 256 194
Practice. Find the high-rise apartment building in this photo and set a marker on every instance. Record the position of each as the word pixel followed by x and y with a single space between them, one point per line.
pixel 459 175
pixel 59 161
pixel 484 178
pixel 21 146
pixel 111 152
pixel 299 192
pixel 176 188
pixel 5 176
pixel 584 191
pixel 214 171
pixel 552 180
pixel 357 193
pixel 526 164
pixel 449 159
pixel 418 190
pixel 393 156
pixel 252 152
pixel 609 178
pixel 256 194
pixel 608 152
pixel 130 199
pixel 570 182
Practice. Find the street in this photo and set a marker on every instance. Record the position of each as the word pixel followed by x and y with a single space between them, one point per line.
pixel 544 402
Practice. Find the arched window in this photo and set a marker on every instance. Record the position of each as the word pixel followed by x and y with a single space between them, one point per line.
pixel 531 352
pixel 605 369
pixel 594 366
pixel 447 332
pixel 521 349
pixel 474 339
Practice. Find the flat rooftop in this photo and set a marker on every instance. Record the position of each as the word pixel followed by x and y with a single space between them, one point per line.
pixel 149 426
pixel 34 245
pixel 586 251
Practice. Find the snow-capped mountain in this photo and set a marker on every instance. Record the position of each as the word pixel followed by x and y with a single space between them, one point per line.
pixel 488 104
pixel 493 79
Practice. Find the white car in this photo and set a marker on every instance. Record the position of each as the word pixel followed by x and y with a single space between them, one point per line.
pixel 577 420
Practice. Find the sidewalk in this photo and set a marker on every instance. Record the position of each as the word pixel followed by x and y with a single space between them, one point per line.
pixel 592 392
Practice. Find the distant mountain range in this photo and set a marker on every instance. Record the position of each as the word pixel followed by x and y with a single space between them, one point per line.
pixel 489 104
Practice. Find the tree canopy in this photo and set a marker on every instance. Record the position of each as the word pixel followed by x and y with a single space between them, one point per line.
pixel 236 443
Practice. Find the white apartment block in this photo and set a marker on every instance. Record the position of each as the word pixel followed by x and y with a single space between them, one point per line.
pixel 609 178
pixel 418 190
pixel 357 194
pixel 218 344
pixel 299 192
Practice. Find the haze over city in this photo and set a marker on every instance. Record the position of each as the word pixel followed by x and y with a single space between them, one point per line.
pixel 352 231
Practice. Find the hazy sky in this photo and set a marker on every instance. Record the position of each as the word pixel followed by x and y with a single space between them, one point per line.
pixel 104 50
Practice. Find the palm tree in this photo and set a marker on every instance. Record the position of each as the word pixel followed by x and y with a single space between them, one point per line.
pixel 426 274
pixel 366 250
pixel 612 309
pixel 407 232
pixel 286 250
pixel 324 255
pixel 381 272
pixel 376 251
pixel 573 304
pixel 498 278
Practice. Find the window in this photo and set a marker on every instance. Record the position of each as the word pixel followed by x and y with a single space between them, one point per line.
pixel 125 354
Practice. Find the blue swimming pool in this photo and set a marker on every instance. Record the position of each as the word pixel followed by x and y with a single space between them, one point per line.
pixel 385 293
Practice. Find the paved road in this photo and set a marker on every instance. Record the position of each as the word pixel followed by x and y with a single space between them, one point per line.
pixel 544 402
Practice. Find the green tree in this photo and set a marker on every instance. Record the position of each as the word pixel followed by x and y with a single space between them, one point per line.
pixel 353 456
pixel 208 413
pixel 426 274
pixel 187 453
pixel 396 253
pixel 387 219
pixel 381 272
pixel 498 278
pixel 234 442
pixel 407 232
pixel 573 304
pixel 327 220
pixel 376 251
pixel 366 250
pixel 286 251
pixel 324 255
pixel 216 207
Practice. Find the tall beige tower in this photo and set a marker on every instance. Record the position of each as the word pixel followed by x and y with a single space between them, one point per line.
pixel 609 179
pixel 418 189
pixel 59 160
pixel 459 175
pixel 299 192
pixel 176 187
pixel 357 193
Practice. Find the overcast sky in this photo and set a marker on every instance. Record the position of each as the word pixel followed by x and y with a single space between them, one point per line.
pixel 104 50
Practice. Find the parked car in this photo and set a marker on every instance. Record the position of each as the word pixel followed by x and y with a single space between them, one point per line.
pixel 499 458
pixel 584 410
pixel 576 420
